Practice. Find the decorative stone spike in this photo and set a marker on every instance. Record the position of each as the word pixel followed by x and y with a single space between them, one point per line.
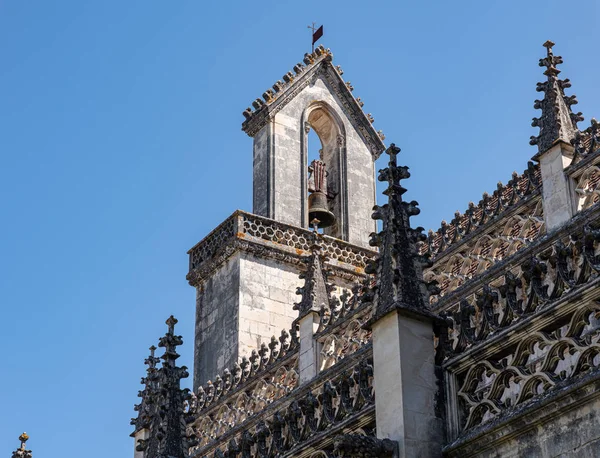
pixel 278 86
pixel 298 68
pixel 370 118
pixel 557 122
pixel 316 290
pixel 268 95
pixel 21 452
pixel 360 102
pixel 339 69
pixel 167 418
pixel 288 77
pixel 146 408
pixel 247 113
pixel 349 85
pixel 257 104
pixel 398 268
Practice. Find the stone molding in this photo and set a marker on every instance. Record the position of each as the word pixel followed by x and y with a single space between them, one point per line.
pixel 269 239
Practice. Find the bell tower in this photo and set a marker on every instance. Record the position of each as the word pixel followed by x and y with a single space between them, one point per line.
pixel 246 270
pixel 314 97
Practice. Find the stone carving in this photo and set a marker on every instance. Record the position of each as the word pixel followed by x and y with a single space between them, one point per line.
pixel 523 290
pixel 557 121
pixel 586 142
pixel 146 410
pixel 274 365
pixel 316 291
pixel 540 363
pixel 285 243
pixel 587 187
pixel 344 341
pixel 361 446
pixel 276 432
pixel 166 409
pixel 473 257
pixel 478 217
pixel 398 268
pixel 21 452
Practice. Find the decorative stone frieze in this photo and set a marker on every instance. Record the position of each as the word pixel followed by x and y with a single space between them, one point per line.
pixel 270 239
pixel 540 276
pixel 540 363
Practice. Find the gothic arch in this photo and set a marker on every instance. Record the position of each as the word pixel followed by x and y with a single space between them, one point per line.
pixel 324 120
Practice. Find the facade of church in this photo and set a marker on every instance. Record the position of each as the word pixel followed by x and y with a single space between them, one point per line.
pixel 318 336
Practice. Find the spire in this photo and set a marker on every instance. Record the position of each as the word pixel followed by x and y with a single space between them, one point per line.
pixel 398 269
pixel 21 452
pixel 146 408
pixel 316 289
pixel 557 122
pixel 165 402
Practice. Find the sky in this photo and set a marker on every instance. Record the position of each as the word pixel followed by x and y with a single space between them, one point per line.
pixel 121 147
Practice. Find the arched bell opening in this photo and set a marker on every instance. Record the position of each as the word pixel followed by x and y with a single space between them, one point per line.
pixel 324 142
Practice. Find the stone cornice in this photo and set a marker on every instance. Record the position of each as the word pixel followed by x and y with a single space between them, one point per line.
pixel 268 239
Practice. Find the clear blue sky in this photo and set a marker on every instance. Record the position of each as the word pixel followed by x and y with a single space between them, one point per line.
pixel 121 148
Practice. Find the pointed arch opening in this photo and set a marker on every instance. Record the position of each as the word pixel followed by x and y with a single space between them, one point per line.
pixel 325 140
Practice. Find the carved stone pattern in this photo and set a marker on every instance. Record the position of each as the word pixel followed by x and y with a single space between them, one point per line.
pixel 540 363
pixel 587 188
pixel 289 244
pixel 586 142
pixel 522 290
pixel 477 217
pixel 274 365
pixel 207 248
pixel 278 432
pixel 471 258
pixel 361 446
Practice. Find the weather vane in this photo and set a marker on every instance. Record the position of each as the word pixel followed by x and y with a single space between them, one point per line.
pixel 316 34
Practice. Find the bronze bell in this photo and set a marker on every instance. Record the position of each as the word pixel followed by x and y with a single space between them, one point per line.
pixel 317 200
pixel 318 209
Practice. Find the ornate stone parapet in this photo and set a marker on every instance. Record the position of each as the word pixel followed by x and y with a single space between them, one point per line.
pixel 525 331
pixel 306 419
pixel 267 238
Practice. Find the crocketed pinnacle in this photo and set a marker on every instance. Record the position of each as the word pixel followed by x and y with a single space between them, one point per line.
pixel 557 121
pixel 166 417
pixel 21 452
pixel 316 290
pixel 398 268
pixel 146 408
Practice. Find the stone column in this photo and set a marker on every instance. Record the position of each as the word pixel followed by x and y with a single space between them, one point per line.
pixel 405 383
pixel 308 363
pixel 556 189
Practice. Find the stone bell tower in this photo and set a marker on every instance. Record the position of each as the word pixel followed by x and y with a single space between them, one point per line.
pixel 246 270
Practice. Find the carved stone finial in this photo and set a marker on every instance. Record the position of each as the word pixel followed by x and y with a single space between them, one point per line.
pixel 557 121
pixel 315 293
pixel 21 452
pixel 398 269
pixel 162 410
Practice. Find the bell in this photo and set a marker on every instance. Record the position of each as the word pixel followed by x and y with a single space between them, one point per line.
pixel 317 209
